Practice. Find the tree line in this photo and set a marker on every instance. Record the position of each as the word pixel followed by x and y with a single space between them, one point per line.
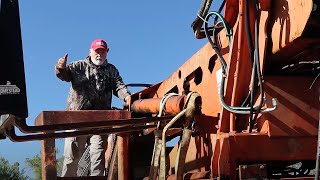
pixel 13 172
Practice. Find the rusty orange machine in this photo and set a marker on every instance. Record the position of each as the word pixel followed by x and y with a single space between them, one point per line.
pixel 245 106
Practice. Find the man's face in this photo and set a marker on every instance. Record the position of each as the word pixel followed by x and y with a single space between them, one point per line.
pixel 98 56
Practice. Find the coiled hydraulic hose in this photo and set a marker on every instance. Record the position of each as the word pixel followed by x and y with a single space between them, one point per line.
pixel 238 110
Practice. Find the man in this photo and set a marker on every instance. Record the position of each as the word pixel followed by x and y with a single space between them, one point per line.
pixel 93 80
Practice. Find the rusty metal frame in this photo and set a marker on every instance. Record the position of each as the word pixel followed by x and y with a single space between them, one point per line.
pixel 49 125
pixel 96 125
pixel 13 137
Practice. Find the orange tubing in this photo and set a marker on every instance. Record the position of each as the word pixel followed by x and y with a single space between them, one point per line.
pixel 173 106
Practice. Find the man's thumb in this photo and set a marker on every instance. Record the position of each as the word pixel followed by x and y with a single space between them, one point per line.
pixel 65 57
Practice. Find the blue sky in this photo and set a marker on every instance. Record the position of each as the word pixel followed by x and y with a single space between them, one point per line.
pixel 148 41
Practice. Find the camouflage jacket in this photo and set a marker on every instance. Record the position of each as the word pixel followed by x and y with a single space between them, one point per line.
pixel 92 86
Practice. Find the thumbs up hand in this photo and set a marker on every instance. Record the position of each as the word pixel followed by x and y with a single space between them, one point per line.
pixel 62 62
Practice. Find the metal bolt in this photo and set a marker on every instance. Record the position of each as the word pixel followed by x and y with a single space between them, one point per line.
pixel 244 167
pixel 262 167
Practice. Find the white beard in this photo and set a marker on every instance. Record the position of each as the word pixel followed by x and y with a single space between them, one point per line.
pixel 98 61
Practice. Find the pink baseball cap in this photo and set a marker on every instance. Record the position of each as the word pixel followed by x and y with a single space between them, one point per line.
pixel 99 43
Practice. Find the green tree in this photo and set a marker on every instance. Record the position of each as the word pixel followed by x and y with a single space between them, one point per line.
pixel 11 172
pixel 34 164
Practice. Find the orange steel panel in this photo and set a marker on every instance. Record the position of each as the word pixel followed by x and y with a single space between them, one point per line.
pixel 297 113
pixel 289 20
pixel 200 71
pixel 263 36
pixel 292 31
pixel 260 147
pixel 251 148
pixel 242 72
pixel 197 158
pixel 231 11
pixel 239 71
pixel 226 167
pixel 146 93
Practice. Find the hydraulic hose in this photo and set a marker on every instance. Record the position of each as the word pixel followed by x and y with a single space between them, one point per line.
pixel 238 110
pixel 253 59
pixel 257 67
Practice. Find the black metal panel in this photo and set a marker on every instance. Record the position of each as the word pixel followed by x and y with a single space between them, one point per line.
pixel 13 99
